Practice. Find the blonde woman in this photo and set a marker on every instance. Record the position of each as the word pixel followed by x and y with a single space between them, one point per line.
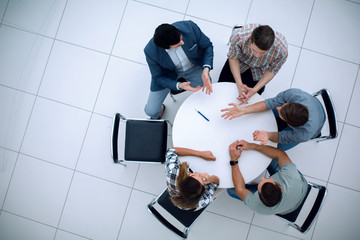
pixel 189 190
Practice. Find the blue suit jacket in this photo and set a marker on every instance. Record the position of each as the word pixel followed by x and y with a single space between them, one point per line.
pixel 197 47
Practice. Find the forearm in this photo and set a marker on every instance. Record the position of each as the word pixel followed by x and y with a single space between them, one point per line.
pixel 239 182
pixel 235 70
pixel 256 107
pixel 266 77
pixel 274 136
pixel 271 152
pixel 187 152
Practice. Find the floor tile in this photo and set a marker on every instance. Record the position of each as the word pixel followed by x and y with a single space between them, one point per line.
pixel 23 58
pixel 283 79
pixel 128 43
pixel 94 207
pixel 55 132
pixel 342 174
pixel 151 178
pixel 95 158
pixel 315 159
pixel 329 17
pixel 61 235
pixel 138 217
pixel 94 15
pixel 177 6
pixel 16 106
pixel 125 89
pixel 227 206
pixel 314 73
pixel 261 233
pixel 41 16
pixel 38 190
pixel 353 115
pixel 207 224
pixel 339 217
pixel 209 10
pixel 283 16
pixel 7 164
pixel 78 79
pixel 13 227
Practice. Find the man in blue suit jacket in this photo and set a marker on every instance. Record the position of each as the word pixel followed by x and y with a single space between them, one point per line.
pixel 179 57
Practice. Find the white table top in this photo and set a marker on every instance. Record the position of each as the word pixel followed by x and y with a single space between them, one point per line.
pixel 191 130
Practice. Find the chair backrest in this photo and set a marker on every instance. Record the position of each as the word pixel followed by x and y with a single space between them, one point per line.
pixel 331 115
pixel 185 217
pixel 144 141
pixel 310 218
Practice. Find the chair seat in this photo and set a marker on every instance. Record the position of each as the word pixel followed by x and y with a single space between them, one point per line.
pixel 143 141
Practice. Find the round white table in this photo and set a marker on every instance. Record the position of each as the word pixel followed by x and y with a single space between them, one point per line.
pixel 191 130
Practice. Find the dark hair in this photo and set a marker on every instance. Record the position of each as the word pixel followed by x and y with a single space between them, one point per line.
pixel 294 114
pixel 189 190
pixel 263 36
pixel 270 194
pixel 166 35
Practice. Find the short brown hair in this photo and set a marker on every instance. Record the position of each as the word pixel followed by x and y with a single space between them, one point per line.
pixel 270 194
pixel 294 114
pixel 189 190
pixel 263 36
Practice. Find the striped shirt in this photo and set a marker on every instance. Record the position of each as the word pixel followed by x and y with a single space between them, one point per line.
pixel 172 166
pixel 240 49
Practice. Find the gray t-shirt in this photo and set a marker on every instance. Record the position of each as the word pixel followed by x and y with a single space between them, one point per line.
pixel 316 115
pixel 294 188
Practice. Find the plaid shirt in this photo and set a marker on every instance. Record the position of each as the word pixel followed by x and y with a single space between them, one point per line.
pixel 172 166
pixel 240 49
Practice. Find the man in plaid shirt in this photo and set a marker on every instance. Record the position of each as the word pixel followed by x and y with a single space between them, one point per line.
pixel 255 56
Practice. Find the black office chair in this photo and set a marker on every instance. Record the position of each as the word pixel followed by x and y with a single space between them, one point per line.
pixel 140 140
pixel 331 115
pixel 316 205
pixel 185 217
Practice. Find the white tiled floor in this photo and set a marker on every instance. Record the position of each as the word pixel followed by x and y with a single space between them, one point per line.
pixel 67 65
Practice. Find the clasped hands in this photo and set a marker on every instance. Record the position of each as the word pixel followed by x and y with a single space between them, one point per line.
pixel 237 147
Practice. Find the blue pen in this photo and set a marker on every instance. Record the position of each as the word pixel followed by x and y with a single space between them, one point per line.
pixel 202 115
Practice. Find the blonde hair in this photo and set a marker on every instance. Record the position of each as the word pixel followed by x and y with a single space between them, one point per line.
pixel 189 190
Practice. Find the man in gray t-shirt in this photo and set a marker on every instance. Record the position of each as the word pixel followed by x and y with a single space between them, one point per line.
pixel 282 193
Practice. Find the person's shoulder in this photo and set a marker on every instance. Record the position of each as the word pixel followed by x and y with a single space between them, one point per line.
pixel 183 24
pixel 150 46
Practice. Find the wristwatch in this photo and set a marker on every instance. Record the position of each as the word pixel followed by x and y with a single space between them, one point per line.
pixel 232 163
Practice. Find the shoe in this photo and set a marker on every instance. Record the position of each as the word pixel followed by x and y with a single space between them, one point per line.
pixel 162 112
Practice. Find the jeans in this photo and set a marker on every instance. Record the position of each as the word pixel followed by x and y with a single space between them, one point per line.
pixel 156 99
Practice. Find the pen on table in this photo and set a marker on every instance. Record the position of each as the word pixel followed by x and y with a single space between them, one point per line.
pixel 202 115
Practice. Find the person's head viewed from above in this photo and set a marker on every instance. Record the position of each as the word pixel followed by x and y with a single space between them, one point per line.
pixel 190 187
pixel 270 192
pixel 167 36
pixel 261 40
pixel 294 114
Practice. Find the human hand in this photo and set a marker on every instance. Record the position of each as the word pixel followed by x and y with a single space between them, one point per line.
pixel 186 86
pixel 206 80
pixel 235 150
pixel 261 136
pixel 235 111
pixel 244 145
pixel 207 155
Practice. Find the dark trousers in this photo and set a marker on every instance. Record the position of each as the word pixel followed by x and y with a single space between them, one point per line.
pixel 246 77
